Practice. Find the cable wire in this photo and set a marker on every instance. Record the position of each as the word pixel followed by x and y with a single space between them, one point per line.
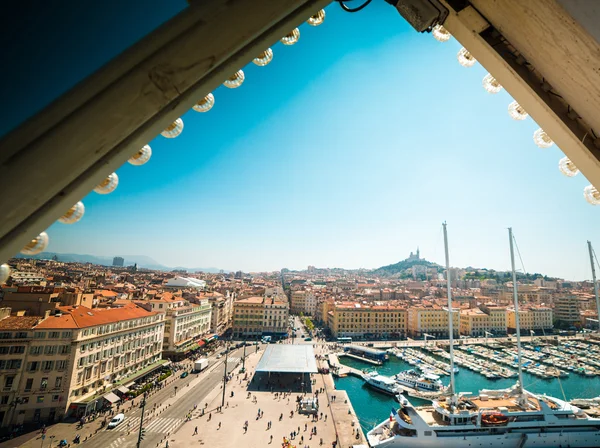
pixel 358 8
pixel 519 253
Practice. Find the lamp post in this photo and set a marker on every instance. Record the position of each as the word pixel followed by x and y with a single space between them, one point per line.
pixel 141 431
pixel 225 373
pixel 244 359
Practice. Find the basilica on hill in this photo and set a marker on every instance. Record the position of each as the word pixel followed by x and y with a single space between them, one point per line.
pixel 414 257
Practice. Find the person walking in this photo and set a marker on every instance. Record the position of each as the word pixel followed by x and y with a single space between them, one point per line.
pixel 195 431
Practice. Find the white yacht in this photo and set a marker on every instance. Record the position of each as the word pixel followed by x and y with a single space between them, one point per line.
pixel 382 383
pixel 427 382
pixel 508 418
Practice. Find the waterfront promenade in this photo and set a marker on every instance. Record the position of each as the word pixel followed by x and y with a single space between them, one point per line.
pixel 278 419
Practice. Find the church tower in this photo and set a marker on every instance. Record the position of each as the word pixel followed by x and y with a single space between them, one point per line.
pixel 418 258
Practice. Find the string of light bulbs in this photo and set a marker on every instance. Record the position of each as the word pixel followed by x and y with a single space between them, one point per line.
pixel 517 112
pixel 143 155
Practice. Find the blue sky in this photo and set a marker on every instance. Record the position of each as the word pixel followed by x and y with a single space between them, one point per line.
pixel 348 150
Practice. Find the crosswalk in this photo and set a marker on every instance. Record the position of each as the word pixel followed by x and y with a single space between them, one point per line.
pixel 157 425
pixel 118 443
pixel 233 359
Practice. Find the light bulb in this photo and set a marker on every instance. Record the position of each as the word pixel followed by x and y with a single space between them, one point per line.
pixel 441 34
pixel 491 84
pixel 291 38
pixel 108 185
pixel 235 80
pixel 465 58
pixel 174 129
pixel 542 139
pixel 141 157
pixel 516 111
pixel 592 195
pixel 205 104
pixel 567 167
pixel 4 273
pixel 264 58
pixel 36 245
pixel 317 19
pixel 74 214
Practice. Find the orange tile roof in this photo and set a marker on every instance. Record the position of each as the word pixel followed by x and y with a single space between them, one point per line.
pixel 19 322
pixel 82 317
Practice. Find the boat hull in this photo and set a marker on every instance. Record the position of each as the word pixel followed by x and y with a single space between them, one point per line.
pixel 580 439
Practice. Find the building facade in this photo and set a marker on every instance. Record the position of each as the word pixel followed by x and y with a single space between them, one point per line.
pixel 360 321
pixel 530 319
pixel 254 317
pixel 431 320
pixel 566 309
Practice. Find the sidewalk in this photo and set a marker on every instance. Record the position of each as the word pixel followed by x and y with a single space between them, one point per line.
pixel 225 429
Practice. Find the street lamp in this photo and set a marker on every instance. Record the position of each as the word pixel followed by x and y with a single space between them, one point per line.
pixel 142 430
pixel 243 369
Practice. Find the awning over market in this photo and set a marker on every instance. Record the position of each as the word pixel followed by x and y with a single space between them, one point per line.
pixel 111 397
pixel 212 337
pixel 123 389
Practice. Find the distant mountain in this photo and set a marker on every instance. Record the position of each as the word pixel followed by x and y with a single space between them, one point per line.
pixel 401 266
pixel 141 260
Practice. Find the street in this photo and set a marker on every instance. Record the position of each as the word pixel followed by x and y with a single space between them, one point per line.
pixel 171 408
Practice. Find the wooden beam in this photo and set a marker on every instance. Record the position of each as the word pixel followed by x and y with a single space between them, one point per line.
pixel 469 28
pixel 56 158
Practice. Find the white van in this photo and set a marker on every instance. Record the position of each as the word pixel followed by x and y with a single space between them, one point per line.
pixel 116 421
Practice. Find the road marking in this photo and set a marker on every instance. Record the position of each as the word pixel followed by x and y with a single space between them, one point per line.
pixel 117 442
pixel 164 425
pixel 233 359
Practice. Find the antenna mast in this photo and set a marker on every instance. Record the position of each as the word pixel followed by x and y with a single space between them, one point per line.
pixel 591 250
pixel 516 304
pixel 450 320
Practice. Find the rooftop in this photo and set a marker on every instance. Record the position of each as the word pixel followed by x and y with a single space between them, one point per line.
pixel 288 358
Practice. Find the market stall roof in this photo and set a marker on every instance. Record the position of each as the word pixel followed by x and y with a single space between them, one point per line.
pixel 123 389
pixel 287 358
pixel 113 398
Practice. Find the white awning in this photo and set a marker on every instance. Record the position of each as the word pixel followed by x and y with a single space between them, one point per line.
pixel 113 398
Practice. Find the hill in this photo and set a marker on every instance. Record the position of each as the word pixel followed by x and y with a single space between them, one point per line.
pixel 142 261
pixel 402 266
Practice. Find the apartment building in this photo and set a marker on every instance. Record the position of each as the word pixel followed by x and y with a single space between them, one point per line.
pixel 185 322
pixel 67 363
pixel 497 318
pixel 532 318
pixel 304 301
pixel 37 300
pixel 431 320
pixel 474 322
pixel 254 317
pixel 220 312
pixel 566 309
pixel 357 320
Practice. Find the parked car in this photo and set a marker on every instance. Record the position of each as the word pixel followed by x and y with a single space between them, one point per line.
pixel 116 421
pixel 219 356
pixel 308 339
pixel 184 374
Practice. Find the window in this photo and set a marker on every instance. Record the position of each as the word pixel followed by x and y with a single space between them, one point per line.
pixel 58 382
pixel 44 383
pixel 67 334
pixel 33 366
pixel 40 399
pixel 61 365
pixel 39 335
pixel 55 397
pixel 28 384
pixel 36 350
pixel 19 349
pixel 54 334
pixel 4 399
pixel 21 335
pixel 50 350
pixel 5 335
pixel 47 365
pixel 8 382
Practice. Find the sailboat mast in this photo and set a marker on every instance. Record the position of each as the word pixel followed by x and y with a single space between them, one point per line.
pixel 450 320
pixel 516 304
pixel 595 282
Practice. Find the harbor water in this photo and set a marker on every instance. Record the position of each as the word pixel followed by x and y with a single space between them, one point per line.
pixel 372 407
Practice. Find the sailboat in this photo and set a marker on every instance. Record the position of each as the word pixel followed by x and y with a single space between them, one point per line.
pixel 505 418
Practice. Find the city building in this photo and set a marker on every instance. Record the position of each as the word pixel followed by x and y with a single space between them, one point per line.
pixel 254 317
pixel 118 261
pixel 361 321
pixel 431 320
pixel 67 363
pixel 497 318
pixel 566 310
pixel 37 300
pixel 532 318
pixel 474 322
pixel 185 283
pixel 186 323
pixel 303 301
